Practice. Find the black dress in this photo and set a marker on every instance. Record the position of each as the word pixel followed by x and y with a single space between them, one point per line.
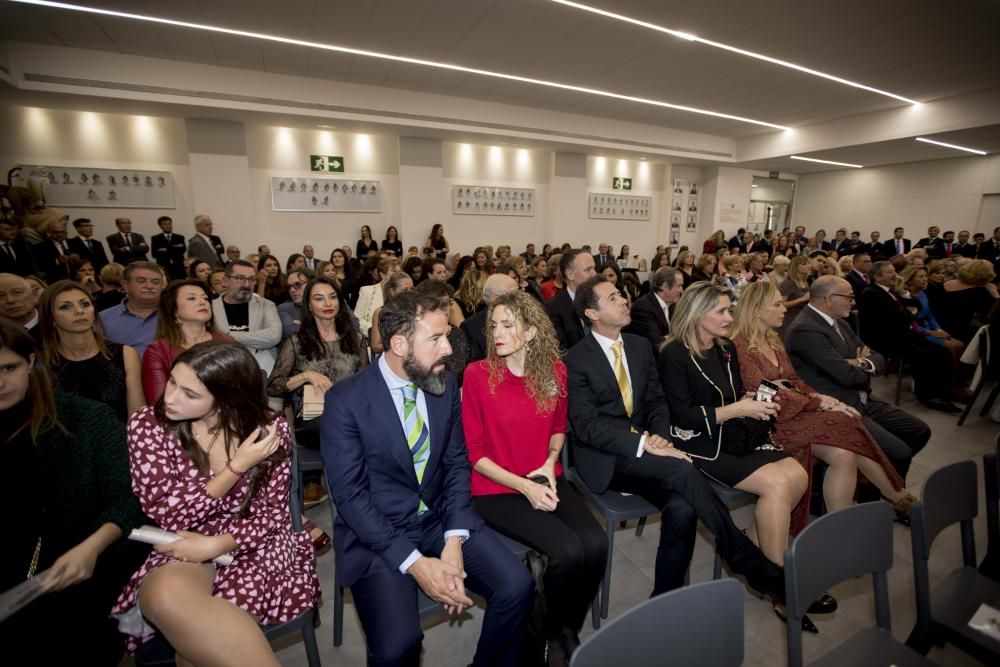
pixel 395 247
pixel 98 378
pixel 364 248
pixel 694 388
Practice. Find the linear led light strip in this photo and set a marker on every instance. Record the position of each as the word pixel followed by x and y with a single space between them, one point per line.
pixel 839 164
pixel 719 45
pixel 401 59
pixel 956 147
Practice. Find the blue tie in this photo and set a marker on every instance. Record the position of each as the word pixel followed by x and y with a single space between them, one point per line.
pixel 417 437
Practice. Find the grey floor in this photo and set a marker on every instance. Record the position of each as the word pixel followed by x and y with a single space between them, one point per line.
pixel 453 643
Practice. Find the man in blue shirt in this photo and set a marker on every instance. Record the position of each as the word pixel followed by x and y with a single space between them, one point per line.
pixel 134 321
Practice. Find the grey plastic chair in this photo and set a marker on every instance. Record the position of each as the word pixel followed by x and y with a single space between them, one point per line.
pixel 985 378
pixel 616 508
pixel 990 566
pixel 733 498
pixel 158 652
pixel 696 626
pixel 950 496
pixel 843 545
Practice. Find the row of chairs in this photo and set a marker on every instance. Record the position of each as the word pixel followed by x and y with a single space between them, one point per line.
pixel 703 624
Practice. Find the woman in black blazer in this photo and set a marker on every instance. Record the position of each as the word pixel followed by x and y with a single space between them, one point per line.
pixel 366 243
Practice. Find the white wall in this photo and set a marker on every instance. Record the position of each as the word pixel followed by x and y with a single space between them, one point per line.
pixel 948 193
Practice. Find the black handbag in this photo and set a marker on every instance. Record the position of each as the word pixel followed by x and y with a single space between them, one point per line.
pixel 743 435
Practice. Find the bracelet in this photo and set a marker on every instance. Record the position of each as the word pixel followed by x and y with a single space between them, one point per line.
pixel 230 468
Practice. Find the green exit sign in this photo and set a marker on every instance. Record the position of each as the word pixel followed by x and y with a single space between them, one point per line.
pixel 326 163
pixel 619 183
pixel 773 174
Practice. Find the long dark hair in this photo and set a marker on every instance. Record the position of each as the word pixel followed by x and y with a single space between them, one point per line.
pixel 42 415
pixel 436 232
pixel 233 378
pixel 310 342
pixel 279 283
pixel 167 326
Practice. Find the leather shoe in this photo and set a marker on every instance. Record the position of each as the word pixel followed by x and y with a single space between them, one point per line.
pixel 807 624
pixel 768 581
pixel 942 405
pixel 825 605
pixel 313 494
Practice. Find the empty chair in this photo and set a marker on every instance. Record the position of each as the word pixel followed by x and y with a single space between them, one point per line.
pixel 615 507
pixel 986 375
pixel 990 566
pixel 696 626
pixel 950 496
pixel 842 545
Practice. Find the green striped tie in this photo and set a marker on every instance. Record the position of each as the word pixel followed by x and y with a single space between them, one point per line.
pixel 417 436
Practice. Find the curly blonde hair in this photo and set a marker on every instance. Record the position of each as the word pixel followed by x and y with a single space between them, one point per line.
pixel 470 290
pixel 541 354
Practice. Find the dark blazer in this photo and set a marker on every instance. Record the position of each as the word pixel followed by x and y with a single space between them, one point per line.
pixel 47 258
pixel 601 428
pixel 885 324
pixel 170 256
pixel 820 357
pixel 847 247
pixel 371 474
pixel 123 255
pixel 648 320
pixel 95 253
pixel 568 326
pixel 964 249
pixel 23 263
pixel 927 242
pixel 474 328
pixel 889 247
pixel 858 284
pixel 214 254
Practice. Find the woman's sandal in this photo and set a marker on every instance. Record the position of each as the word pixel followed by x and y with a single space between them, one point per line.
pixel 321 543
pixel 901 508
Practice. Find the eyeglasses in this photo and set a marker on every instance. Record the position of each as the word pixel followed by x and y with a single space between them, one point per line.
pixel 298 285
pixel 844 296
pixel 249 280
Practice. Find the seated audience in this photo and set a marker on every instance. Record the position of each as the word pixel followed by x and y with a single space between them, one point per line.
pixel 111 293
pixel 716 242
pixel 465 265
pixel 82 271
pixel 185 320
pixel 199 269
pixel 553 283
pixel 704 268
pixel 685 264
pixel 651 312
pixel 81 361
pixel 887 325
pixel 734 276
pixel 69 508
pixel 133 322
pixel 613 274
pixel 460 348
pixel 398 283
pixel 248 318
pixel 294 262
pixel 18 304
pixel 271 282
pixel 484 260
pixel 395 533
pixel 213 465
pixel 809 423
pixel 476 325
pixel 469 295
pixel 576 266
pixel 217 282
pixel 621 425
pixel 795 288
pixel 830 357
pixel 514 413
pixel 371 297
pixel 968 299
pixel 915 284
pixel 290 311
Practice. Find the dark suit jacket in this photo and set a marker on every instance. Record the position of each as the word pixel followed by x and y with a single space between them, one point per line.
pixel 95 253
pixel 170 257
pixel 927 241
pixel 885 324
pixel 648 320
pixel 857 283
pixel 47 258
pixel 847 247
pixel 569 329
pixel 601 428
pixel 214 254
pixel 23 263
pixel 372 479
pixel 820 357
pixel 474 329
pixel 123 255
pixel 964 249
pixel 889 247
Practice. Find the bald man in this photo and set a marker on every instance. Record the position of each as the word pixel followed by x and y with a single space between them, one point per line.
pixel 474 328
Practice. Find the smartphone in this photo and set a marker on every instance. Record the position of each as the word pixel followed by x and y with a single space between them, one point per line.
pixel 540 479
pixel 766 391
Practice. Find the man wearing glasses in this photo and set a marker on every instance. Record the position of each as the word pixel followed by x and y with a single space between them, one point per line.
pixel 290 312
pixel 831 358
pixel 250 319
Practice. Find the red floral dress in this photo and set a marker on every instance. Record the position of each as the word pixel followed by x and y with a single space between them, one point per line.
pixel 801 423
pixel 273 573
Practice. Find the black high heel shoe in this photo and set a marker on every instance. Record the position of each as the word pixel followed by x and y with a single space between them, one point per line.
pixel 807 624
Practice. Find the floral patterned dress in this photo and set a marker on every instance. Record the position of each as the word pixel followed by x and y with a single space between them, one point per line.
pixel 273 573
pixel 801 423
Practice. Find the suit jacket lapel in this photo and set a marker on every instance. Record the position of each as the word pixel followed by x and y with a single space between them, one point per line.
pixel 384 418
pixel 438 408
pixel 633 373
pixel 605 371
pixel 660 316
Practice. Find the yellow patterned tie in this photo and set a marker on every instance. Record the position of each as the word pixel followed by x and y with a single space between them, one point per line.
pixel 623 384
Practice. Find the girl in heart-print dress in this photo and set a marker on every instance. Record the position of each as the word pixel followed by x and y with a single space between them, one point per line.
pixel 272 576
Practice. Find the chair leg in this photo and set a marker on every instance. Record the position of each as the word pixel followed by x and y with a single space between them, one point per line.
pixel 920 642
pixel 595 611
pixel 717 566
pixel 309 639
pixel 991 399
pixel 640 527
pixel 338 615
pixel 623 524
pixel 606 587
pixel 972 401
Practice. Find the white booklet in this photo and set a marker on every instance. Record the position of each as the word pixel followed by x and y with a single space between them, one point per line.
pixel 156 535
pixel 15 599
pixel 986 620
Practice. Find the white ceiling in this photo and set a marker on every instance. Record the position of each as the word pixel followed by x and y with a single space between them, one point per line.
pixel 922 49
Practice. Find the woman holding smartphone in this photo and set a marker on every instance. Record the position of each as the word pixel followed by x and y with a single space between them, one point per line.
pixel 514 413
pixel 809 423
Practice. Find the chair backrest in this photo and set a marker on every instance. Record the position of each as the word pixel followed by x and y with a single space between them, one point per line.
pixel 841 545
pixel 949 496
pixel 697 626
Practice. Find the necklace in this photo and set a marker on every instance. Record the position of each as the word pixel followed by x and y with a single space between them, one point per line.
pixel 211 444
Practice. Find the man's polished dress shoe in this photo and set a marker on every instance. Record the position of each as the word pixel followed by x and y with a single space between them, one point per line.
pixel 768 581
pixel 825 605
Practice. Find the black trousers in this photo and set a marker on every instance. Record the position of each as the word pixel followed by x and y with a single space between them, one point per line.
pixel 683 496
pixel 931 365
pixel 571 538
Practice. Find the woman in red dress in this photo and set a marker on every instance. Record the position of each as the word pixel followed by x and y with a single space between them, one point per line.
pixel 810 424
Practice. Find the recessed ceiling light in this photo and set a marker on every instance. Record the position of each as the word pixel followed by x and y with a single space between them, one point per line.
pixel 956 147
pixel 326 127
pixel 839 164
pixel 402 59
pixel 719 45
pixel 754 186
